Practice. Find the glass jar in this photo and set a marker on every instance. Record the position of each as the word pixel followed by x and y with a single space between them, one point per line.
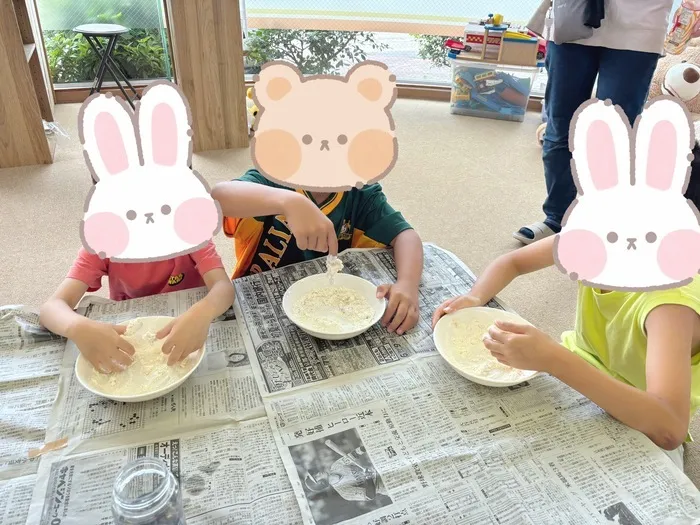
pixel 146 492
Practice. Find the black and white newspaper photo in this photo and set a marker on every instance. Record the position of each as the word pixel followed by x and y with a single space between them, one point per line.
pixel 338 477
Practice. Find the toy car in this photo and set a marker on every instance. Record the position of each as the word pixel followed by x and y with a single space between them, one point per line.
pixel 456 45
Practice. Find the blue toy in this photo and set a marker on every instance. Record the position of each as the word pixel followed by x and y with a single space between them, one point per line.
pixel 489 96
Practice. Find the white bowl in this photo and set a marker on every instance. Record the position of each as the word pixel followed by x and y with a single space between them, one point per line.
pixel 443 332
pixel 300 288
pixel 83 371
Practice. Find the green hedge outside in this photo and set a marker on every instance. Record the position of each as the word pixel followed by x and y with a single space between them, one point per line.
pixel 72 60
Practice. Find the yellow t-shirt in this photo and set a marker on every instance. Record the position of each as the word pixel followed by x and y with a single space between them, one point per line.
pixel 610 332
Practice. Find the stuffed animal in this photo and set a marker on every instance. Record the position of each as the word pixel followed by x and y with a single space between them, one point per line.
pixel 679 76
pixel 252 108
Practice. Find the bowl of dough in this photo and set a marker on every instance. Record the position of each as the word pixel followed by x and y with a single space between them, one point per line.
pixel 459 337
pixel 149 376
pixel 333 307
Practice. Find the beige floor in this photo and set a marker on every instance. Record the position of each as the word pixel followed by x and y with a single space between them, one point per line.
pixel 465 184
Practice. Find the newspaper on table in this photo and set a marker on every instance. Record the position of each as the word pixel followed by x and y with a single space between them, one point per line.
pixel 31 358
pixel 228 475
pixel 221 389
pixel 417 443
pixel 376 430
pixel 380 430
pixel 212 432
pixel 284 357
pixel 15 498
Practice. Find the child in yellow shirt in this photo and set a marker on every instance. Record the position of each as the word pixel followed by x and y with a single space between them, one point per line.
pixel 634 354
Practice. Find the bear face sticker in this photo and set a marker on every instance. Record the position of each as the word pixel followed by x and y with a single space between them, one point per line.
pixel 324 133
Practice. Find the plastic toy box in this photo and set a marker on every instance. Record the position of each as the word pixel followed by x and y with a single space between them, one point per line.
pixel 484 89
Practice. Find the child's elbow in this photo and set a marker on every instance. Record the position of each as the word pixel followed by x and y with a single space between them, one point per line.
pixel 218 190
pixel 229 292
pixel 669 438
pixel 43 312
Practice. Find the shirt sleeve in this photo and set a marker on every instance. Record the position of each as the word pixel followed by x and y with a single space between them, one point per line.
pixel 231 224
pixel 89 269
pixel 688 295
pixel 206 259
pixel 376 218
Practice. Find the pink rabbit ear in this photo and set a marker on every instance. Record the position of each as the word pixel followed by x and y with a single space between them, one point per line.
pixel 165 126
pixel 600 146
pixel 663 140
pixel 106 131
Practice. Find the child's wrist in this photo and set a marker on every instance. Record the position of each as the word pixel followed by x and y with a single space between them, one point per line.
pixel 203 309
pixel 286 198
pixel 413 282
pixel 558 359
pixel 76 326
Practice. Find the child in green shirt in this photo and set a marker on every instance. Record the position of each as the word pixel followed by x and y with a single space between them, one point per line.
pixel 274 226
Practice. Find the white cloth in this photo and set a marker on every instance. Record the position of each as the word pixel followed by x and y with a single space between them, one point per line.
pixel 635 25
pixel 676 456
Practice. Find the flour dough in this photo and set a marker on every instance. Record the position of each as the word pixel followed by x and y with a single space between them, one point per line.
pixel 333 266
pixel 333 310
pixel 149 371
pixel 467 351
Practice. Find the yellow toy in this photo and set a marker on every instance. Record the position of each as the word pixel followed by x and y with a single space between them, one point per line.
pixel 252 108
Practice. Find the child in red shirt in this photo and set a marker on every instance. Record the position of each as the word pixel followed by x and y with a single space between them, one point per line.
pixel 102 344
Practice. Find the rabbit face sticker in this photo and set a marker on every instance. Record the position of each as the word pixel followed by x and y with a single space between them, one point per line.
pixel 147 204
pixel 325 132
pixel 630 227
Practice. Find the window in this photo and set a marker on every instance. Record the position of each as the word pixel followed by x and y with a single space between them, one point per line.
pixel 143 52
pixel 329 36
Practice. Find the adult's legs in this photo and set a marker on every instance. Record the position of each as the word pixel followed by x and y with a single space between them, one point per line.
pixel 624 77
pixel 571 71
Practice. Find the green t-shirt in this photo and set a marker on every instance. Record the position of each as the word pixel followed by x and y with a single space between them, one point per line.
pixel 362 218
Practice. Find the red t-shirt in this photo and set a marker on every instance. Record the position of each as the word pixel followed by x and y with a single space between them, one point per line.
pixel 132 280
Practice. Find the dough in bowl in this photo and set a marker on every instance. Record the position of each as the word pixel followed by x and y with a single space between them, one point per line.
pixel 467 351
pixel 333 309
pixel 149 371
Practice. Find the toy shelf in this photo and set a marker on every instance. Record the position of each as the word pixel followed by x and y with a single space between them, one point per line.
pixel 497 44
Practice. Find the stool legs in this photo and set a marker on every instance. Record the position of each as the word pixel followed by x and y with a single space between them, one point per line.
pixel 97 84
pixel 108 63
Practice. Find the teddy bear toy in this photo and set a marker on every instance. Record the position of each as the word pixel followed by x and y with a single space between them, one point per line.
pixel 679 77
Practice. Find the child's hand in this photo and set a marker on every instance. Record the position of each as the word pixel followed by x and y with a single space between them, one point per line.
pixel 521 346
pixel 184 335
pixel 402 311
pixel 103 345
pixel 454 304
pixel 310 227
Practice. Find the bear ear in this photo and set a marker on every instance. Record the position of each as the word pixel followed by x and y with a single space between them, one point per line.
pixel 374 82
pixel 276 80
